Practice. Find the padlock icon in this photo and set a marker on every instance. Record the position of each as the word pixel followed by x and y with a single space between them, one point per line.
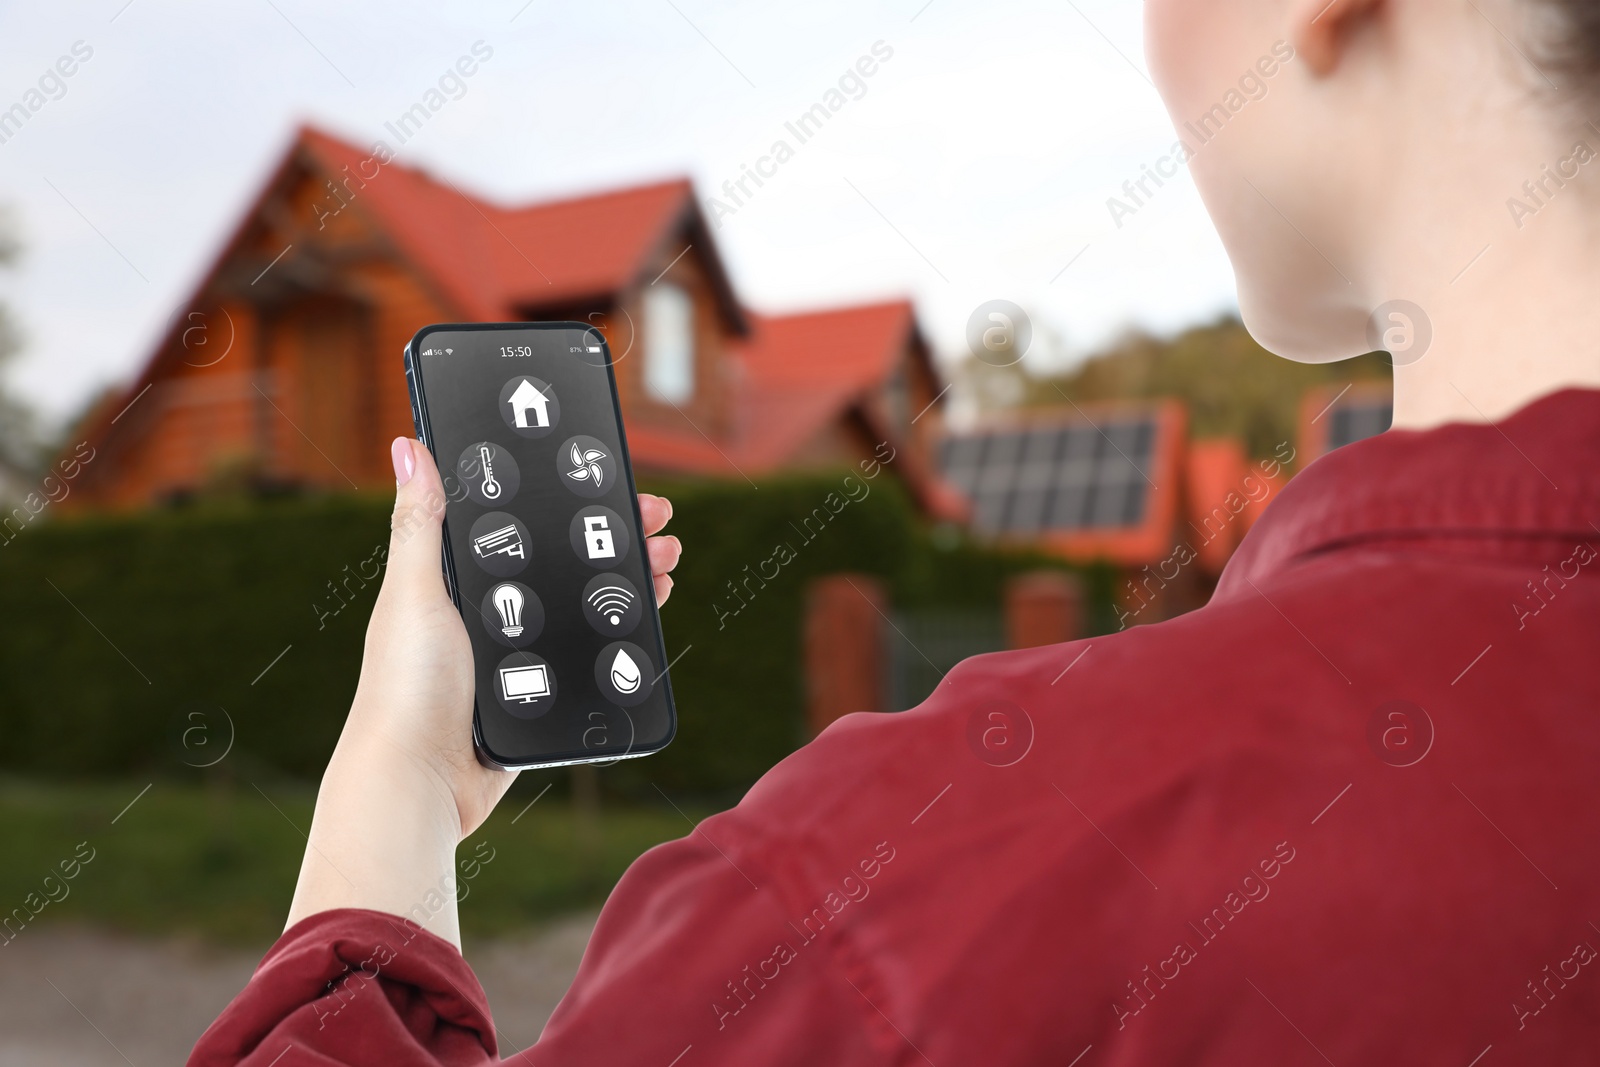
pixel 597 538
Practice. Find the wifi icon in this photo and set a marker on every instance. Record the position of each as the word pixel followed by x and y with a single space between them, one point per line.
pixel 612 602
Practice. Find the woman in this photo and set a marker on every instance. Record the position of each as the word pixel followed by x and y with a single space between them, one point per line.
pixel 1339 815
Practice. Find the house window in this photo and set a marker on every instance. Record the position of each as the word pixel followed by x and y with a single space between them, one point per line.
pixel 897 397
pixel 669 343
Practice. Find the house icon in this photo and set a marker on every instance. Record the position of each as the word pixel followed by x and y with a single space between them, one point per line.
pixel 526 398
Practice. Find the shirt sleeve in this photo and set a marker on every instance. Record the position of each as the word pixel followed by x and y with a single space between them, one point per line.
pixel 353 986
pixel 695 956
pixel 693 961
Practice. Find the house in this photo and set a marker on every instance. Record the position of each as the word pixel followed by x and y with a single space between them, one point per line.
pixel 1331 418
pixel 283 368
pixel 1122 484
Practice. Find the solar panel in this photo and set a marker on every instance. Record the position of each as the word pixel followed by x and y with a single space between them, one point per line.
pixel 1059 477
pixel 1354 420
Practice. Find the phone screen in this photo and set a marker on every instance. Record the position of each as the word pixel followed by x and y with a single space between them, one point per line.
pixel 544 550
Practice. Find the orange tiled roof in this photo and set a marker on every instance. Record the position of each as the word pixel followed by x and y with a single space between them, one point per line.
pixel 799 370
pixel 794 374
pixel 493 260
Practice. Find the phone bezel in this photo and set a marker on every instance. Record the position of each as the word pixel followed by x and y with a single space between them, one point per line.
pixel 419 417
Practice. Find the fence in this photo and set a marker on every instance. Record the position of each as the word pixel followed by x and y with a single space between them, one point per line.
pixel 924 645
pixel 863 655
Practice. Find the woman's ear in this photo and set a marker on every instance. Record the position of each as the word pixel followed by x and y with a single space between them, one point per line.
pixel 1319 28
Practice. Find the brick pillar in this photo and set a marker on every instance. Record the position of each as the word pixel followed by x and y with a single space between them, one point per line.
pixel 1042 608
pixel 845 657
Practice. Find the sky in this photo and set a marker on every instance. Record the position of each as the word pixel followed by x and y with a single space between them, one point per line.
pixel 974 164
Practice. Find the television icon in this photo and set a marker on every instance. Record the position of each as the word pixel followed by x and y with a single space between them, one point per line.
pixel 525 684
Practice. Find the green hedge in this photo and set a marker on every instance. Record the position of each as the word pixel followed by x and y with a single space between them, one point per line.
pixel 121 637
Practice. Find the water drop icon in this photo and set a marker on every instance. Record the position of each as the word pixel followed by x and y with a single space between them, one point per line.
pixel 625 673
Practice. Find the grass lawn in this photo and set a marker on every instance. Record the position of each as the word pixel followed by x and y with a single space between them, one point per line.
pixel 220 862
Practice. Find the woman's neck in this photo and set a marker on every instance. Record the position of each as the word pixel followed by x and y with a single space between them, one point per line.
pixel 1517 322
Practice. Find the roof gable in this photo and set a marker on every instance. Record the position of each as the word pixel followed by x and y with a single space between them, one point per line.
pixel 495 261
pixel 797 372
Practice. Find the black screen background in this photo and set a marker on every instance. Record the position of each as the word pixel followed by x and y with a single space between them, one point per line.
pixel 461 394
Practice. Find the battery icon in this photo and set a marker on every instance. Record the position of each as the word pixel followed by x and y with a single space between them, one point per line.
pixel 594 348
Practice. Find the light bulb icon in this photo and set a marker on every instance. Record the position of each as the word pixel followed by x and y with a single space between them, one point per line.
pixel 508 601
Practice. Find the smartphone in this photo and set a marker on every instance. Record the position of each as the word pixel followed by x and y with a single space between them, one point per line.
pixel 544 550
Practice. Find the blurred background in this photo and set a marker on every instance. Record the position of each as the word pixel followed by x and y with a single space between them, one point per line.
pixel 918 323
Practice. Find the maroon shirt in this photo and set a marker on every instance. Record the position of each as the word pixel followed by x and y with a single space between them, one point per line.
pixel 1343 814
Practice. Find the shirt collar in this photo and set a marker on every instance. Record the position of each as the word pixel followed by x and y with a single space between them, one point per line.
pixel 1534 475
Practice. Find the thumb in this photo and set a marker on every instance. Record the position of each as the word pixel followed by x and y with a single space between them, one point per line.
pixel 414 530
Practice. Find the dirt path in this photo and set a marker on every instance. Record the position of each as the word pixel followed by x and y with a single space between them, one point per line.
pixel 85 998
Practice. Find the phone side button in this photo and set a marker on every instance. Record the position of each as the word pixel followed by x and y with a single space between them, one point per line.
pixel 416 411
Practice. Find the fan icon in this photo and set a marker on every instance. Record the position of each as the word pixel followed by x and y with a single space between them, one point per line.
pixel 586 465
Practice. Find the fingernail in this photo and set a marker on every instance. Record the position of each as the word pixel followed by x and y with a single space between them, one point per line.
pixel 405 464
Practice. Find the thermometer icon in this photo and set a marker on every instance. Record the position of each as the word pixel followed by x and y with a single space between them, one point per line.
pixel 490 488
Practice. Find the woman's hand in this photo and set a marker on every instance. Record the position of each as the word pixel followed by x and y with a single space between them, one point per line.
pixel 404 786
